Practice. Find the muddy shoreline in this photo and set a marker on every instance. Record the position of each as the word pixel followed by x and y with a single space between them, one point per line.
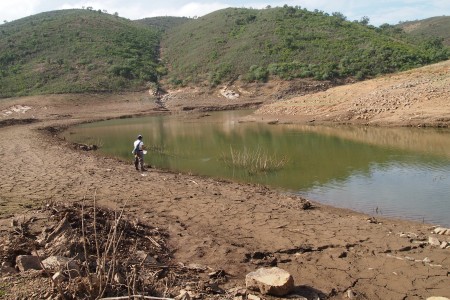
pixel 214 223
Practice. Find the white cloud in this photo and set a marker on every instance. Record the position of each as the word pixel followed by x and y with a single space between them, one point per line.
pixel 189 9
pixel 141 9
pixel 380 11
pixel 12 10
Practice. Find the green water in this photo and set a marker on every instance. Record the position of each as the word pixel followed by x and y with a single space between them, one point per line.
pixel 398 172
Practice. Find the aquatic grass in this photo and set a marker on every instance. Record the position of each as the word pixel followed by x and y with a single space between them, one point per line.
pixel 254 161
pixel 158 149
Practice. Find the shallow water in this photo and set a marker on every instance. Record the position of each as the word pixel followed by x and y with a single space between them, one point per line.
pixel 394 172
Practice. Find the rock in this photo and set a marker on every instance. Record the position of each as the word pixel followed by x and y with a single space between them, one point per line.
pixel 214 288
pixel 217 274
pixel 437 298
pixel 197 267
pixel 237 291
pixel 28 262
pixel 184 295
pixel 444 245
pixel 433 241
pixel 420 243
pixel 6 269
pixel 439 230
pixel 58 277
pixel 306 205
pixel 229 94
pixel 145 258
pixel 271 281
pixel 350 294
pixel 62 264
pixel 253 297
pixel 426 260
pixel 118 278
pixel 408 235
pixel 62 226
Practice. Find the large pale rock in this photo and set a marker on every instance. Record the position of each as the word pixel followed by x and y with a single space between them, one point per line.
pixel 270 281
pixel 442 231
pixel 62 264
pixel 58 277
pixel 437 298
pixel 434 241
pixel 28 262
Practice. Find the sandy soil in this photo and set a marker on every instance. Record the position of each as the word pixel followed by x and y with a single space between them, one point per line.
pixel 415 98
pixel 223 224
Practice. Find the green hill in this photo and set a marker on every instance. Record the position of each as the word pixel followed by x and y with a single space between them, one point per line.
pixel 436 27
pixel 77 51
pixel 287 42
pixel 74 51
pixel 163 23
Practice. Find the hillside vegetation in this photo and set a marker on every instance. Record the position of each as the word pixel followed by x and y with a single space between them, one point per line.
pixel 164 23
pixel 431 28
pixel 288 42
pixel 74 51
pixel 78 50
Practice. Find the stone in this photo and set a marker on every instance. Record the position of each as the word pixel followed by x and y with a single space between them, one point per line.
pixel 217 274
pixel 144 258
pixel 351 294
pixel 62 226
pixel 426 260
pixel 237 291
pixel 437 298
pixel 28 262
pixel 270 281
pixel 253 297
pixel 197 267
pixel 6 269
pixel 433 241
pixel 444 245
pixel 184 295
pixel 6 264
pixel 118 278
pixel 59 277
pixel 439 230
pixel 62 264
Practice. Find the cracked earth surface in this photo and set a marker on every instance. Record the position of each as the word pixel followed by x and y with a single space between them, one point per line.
pixel 221 224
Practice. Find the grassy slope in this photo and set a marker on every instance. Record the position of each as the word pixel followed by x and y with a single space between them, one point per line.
pixel 432 27
pixel 288 42
pixel 163 23
pixel 75 51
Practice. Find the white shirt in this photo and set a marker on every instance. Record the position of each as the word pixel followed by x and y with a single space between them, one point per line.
pixel 136 142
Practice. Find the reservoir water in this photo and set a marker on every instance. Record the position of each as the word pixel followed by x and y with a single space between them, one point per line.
pixel 393 172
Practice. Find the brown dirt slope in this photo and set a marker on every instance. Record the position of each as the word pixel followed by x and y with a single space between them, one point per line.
pixel 418 97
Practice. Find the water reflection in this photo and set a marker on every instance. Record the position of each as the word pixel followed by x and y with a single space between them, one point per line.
pixel 404 172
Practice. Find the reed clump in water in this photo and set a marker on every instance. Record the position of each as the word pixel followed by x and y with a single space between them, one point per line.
pixel 254 161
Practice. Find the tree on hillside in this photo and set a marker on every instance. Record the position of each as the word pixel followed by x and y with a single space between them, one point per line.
pixel 364 20
pixel 339 15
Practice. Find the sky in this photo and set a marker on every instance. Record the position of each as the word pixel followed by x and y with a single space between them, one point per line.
pixel 378 11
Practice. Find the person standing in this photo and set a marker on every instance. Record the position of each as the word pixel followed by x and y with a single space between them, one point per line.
pixel 138 152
